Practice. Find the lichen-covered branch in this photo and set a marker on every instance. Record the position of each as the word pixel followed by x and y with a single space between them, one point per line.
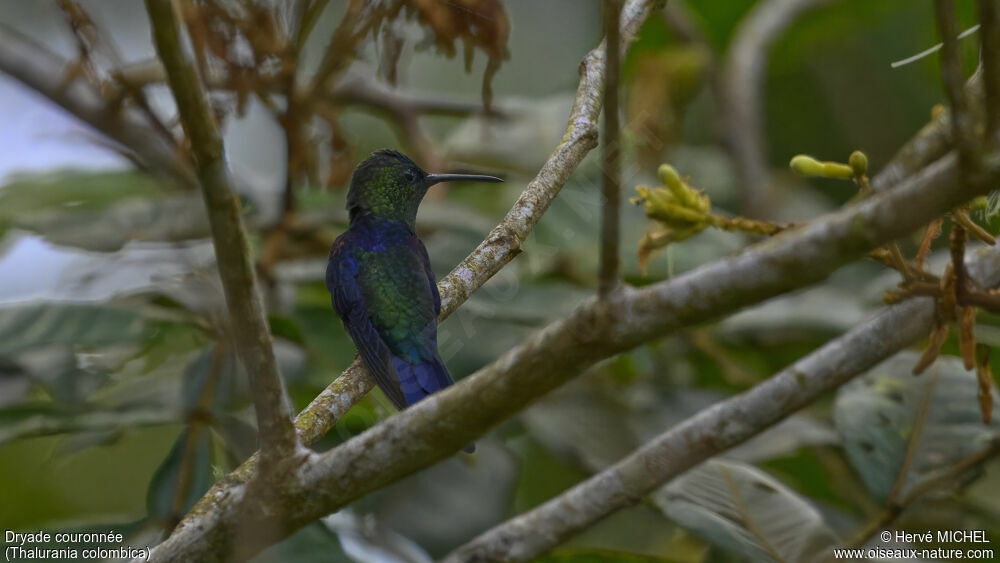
pixel 715 429
pixel 232 252
pixel 444 422
pixel 742 89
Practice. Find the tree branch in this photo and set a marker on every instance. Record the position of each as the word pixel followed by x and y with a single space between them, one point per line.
pixel 498 249
pixel 40 69
pixel 742 86
pixel 253 339
pixel 445 421
pixel 716 429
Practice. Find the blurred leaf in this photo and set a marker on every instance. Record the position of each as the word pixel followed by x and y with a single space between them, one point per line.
pixel 42 419
pixel 64 374
pixel 208 380
pixel 82 326
pixel 600 423
pixel 664 82
pixel 433 507
pixel 314 543
pixel 79 191
pixel 887 412
pixel 816 313
pixel 175 218
pixel 286 328
pixel 583 425
pixel 183 477
pixel 101 211
pixel 743 510
pixel 79 441
pixel 362 539
pixel 15 382
pixel 238 436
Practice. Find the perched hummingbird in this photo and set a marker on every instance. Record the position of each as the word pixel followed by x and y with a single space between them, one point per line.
pixel 380 277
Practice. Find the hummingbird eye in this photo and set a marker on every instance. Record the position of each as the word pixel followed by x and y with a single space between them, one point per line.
pixel 410 175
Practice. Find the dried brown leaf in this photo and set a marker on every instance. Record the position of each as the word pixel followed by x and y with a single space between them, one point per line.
pixel 938 335
pixel 967 336
pixel 933 232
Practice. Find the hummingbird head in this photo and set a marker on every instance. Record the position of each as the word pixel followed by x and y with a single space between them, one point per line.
pixel 388 184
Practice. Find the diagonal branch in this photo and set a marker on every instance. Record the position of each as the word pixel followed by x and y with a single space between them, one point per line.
pixel 253 340
pixel 498 249
pixel 714 430
pixel 444 422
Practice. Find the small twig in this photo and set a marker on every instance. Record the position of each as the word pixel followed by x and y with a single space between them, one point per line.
pixel 933 231
pixel 913 289
pixel 961 216
pixel 984 376
pixel 253 341
pixel 898 261
pixel 951 73
pixel 196 422
pixel 611 186
pixel 957 249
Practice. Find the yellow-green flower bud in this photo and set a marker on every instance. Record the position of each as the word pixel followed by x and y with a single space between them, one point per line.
pixel 809 166
pixel 685 194
pixel 859 163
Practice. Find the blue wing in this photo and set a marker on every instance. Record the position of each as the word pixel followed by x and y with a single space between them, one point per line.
pixel 349 303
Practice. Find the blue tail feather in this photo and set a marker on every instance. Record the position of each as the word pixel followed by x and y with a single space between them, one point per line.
pixel 419 380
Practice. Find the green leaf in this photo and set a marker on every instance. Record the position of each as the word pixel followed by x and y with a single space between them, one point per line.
pixel 83 326
pixel 888 412
pixel 43 419
pixel 79 191
pixel 314 543
pixel 286 328
pixel 183 477
pixel 175 218
pixel 101 211
pixel 239 438
pixel 745 511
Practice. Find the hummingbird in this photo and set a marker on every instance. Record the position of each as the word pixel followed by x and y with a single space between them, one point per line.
pixel 380 278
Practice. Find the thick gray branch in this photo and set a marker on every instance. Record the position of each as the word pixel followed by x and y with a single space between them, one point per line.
pixel 232 252
pixel 715 429
pixel 444 422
